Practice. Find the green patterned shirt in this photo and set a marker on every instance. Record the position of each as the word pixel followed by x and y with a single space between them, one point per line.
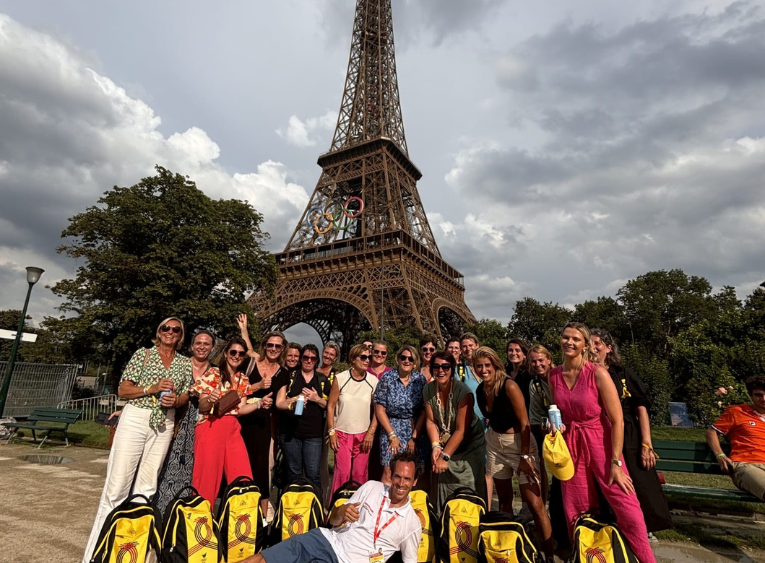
pixel 151 373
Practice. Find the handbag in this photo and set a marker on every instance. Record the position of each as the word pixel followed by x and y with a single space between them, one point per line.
pixel 226 403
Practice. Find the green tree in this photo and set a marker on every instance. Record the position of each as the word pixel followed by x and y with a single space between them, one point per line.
pixel 539 323
pixel 491 333
pixel 51 346
pixel 654 372
pixel 161 248
pixel 660 305
pixel 605 313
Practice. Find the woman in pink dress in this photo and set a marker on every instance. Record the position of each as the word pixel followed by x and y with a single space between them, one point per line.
pixel 593 427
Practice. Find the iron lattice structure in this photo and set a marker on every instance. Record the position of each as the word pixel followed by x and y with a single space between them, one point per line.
pixel 363 255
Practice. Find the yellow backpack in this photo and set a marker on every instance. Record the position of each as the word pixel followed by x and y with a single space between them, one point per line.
pixel 299 510
pixel 341 496
pixel 460 520
pixel 130 532
pixel 426 552
pixel 503 539
pixel 240 520
pixel 599 542
pixel 191 533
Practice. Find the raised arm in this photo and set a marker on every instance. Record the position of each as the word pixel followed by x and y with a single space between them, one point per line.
pixel 241 320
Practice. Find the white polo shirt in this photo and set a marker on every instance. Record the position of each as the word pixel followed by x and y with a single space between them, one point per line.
pixel 399 528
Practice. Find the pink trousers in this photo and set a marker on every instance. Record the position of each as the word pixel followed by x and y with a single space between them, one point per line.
pixel 350 461
pixel 588 449
pixel 218 449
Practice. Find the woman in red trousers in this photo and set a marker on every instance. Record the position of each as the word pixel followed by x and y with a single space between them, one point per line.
pixel 218 445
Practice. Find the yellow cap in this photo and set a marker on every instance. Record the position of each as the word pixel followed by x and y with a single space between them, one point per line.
pixel 558 459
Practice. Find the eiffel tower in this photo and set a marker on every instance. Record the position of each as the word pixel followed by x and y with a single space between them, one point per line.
pixel 363 256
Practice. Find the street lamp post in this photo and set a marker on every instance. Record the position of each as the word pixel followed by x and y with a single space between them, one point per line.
pixel 33 276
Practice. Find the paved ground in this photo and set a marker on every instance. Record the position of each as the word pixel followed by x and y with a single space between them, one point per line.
pixel 47 510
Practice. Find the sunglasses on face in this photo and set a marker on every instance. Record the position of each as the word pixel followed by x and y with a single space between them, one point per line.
pixel 235 353
pixel 364 357
pixel 380 353
pixel 405 358
pixel 442 367
pixel 272 346
pixel 310 358
pixel 428 349
pixel 168 328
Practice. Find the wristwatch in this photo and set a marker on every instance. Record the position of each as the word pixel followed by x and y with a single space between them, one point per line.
pixel 446 457
pixel 617 462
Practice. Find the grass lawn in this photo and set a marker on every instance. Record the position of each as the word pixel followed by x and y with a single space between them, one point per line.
pixel 82 433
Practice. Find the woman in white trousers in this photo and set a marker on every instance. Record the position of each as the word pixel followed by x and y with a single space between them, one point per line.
pixel 155 381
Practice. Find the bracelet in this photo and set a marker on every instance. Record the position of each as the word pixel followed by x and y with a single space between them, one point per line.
pixel 435 445
pixel 391 434
pixel 331 432
pixel 146 391
pixel 649 448
pixel 718 456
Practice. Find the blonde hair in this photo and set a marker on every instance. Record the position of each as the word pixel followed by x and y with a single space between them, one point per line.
pixel 499 370
pixel 179 344
pixel 539 349
pixel 587 354
pixel 356 351
pixel 413 352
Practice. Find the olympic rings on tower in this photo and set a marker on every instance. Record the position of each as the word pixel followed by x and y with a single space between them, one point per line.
pixel 323 220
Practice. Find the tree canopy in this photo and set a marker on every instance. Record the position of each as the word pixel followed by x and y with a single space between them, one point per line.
pixel 157 249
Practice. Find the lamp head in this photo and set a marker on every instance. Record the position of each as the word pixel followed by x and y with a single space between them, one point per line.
pixel 33 274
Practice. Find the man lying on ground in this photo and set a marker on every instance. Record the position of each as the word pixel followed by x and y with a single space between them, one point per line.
pixel 744 426
pixel 375 523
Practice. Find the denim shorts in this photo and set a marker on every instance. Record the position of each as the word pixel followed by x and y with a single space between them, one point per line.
pixel 311 547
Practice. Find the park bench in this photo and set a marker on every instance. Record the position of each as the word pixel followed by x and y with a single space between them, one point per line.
pixel 46 419
pixel 694 457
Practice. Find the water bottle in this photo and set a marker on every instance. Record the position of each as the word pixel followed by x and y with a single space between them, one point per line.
pixel 163 394
pixel 553 414
pixel 299 405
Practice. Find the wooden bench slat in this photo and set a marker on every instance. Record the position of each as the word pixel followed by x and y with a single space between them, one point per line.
pixel 707 492
pixel 688 466
pixel 43 419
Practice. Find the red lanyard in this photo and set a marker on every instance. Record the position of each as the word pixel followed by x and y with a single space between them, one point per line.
pixel 378 531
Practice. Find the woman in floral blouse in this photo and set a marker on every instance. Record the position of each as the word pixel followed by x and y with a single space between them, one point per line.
pixel 218 447
pixel 155 382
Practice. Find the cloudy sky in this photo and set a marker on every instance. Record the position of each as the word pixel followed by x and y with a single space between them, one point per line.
pixel 566 146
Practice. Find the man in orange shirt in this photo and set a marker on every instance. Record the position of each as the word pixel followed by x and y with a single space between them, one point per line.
pixel 744 426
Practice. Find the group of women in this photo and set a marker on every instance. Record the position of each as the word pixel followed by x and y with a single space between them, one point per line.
pixel 484 421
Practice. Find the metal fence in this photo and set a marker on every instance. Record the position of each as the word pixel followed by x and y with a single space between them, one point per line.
pixel 92 406
pixel 37 385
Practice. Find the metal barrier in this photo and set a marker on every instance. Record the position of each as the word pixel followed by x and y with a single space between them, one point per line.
pixel 92 406
pixel 37 385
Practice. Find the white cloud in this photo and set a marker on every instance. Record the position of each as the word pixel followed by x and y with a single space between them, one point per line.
pixel 70 133
pixel 306 133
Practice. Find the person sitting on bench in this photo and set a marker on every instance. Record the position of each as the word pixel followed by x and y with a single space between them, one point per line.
pixel 744 426
pixel 376 522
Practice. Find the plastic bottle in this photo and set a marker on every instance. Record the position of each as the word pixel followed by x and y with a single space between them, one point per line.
pixel 299 405
pixel 553 413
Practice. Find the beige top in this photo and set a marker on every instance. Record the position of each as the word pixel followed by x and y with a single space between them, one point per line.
pixel 354 406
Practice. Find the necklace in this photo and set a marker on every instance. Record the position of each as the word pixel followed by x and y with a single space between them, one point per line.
pixel 444 418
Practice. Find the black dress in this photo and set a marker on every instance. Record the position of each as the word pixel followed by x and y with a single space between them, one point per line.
pixel 256 432
pixel 633 393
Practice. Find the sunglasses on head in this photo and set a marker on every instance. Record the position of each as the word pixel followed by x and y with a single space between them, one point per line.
pixel 168 328
pixel 406 358
pixel 364 357
pixel 310 358
pixel 428 349
pixel 442 367
pixel 380 353
pixel 235 353
pixel 272 346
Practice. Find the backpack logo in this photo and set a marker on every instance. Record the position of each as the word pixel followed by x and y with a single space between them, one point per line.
pixel 204 535
pixel 463 537
pixel 128 550
pixel 242 530
pixel 295 525
pixel 595 555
